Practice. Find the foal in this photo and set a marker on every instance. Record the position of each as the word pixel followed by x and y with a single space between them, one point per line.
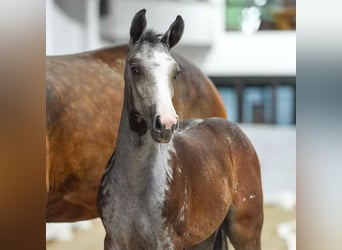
pixel 171 185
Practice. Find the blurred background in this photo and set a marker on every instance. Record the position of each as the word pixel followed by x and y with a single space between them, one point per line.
pixel 246 47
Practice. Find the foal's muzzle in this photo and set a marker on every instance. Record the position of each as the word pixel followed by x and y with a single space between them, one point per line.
pixel 163 129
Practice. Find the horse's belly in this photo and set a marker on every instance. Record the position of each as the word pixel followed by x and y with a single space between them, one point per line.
pixel 205 217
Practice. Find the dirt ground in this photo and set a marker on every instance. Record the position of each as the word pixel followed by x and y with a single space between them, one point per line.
pixel 93 238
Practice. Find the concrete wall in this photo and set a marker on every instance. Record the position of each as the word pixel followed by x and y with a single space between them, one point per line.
pixel 72 26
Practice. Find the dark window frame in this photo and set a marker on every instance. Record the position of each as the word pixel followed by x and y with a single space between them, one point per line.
pixel 240 84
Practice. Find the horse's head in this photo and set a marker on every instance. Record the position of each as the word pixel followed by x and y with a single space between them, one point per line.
pixel 150 73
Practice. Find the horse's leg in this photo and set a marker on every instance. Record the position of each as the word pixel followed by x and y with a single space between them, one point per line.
pixel 243 227
pixel 108 243
pixel 217 241
pixel 221 240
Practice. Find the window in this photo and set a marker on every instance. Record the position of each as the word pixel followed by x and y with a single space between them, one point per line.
pixel 250 16
pixel 259 99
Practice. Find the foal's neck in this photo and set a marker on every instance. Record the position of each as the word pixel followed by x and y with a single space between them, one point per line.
pixel 141 163
pixel 136 150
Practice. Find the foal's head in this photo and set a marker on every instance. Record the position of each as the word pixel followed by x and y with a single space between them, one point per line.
pixel 150 74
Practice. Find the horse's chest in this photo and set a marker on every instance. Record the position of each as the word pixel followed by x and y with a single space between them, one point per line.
pixel 133 215
pixel 136 226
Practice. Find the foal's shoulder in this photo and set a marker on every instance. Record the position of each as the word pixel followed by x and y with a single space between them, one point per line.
pixel 213 129
pixel 213 123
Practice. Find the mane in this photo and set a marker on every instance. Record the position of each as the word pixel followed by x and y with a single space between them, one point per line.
pixel 151 37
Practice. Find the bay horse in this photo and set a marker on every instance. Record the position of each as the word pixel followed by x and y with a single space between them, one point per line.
pixel 172 184
pixel 84 96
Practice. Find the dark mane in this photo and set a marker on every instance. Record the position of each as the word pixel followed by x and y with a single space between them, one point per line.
pixel 151 37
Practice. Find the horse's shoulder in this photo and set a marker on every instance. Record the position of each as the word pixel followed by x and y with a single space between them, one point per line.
pixel 221 123
pixel 213 126
pixel 218 122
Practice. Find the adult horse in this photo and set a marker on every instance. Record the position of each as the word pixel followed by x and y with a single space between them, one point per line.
pixel 170 189
pixel 84 95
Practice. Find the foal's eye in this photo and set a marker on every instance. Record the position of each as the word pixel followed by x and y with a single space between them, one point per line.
pixel 135 69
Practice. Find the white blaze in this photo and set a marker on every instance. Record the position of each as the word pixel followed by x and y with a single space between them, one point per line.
pixel 161 68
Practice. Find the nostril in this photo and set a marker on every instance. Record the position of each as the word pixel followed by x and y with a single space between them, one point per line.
pixel 157 123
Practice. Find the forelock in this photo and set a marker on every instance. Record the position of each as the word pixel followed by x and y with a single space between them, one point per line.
pixel 151 37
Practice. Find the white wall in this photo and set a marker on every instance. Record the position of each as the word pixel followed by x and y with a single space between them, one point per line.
pixel 72 26
pixel 263 53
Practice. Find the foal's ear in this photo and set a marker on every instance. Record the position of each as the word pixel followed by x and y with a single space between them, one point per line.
pixel 138 26
pixel 174 33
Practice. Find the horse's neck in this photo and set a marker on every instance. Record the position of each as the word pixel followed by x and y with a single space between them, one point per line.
pixel 140 178
pixel 140 161
pixel 130 143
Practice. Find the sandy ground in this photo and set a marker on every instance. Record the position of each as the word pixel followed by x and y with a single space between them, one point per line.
pixel 93 238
